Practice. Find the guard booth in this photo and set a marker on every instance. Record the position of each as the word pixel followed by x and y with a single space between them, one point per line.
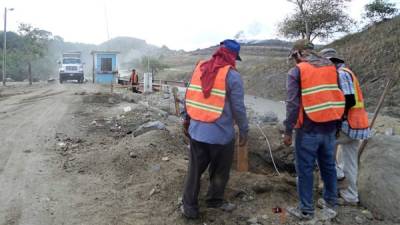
pixel 105 66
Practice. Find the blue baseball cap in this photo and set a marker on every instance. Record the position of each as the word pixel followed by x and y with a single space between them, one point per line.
pixel 232 45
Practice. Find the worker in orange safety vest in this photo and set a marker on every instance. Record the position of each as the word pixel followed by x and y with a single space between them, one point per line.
pixel 214 101
pixel 315 106
pixel 355 127
pixel 134 80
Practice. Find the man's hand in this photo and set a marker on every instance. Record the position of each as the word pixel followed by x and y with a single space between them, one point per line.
pixel 242 140
pixel 287 140
pixel 186 124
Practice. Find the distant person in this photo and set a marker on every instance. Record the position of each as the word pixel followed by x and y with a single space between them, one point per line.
pixel 134 80
pixel 315 106
pixel 214 102
pixel 355 127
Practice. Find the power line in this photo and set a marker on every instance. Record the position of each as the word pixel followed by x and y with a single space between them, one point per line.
pixel 106 18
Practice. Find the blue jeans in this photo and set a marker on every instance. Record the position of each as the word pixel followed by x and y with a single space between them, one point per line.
pixel 309 148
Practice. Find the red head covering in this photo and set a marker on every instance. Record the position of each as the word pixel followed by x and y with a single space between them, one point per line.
pixel 222 57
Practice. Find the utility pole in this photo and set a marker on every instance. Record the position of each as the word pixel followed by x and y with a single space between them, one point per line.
pixel 148 64
pixel 5 44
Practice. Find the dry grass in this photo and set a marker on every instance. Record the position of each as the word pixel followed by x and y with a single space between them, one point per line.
pixel 374 55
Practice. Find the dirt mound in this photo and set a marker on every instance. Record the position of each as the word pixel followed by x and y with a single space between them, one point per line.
pixel 150 148
pixel 104 98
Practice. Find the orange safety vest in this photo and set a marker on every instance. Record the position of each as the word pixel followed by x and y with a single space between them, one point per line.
pixel 321 98
pixel 206 109
pixel 357 116
pixel 134 78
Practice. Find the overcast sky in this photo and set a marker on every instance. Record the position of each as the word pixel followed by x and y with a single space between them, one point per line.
pixel 178 24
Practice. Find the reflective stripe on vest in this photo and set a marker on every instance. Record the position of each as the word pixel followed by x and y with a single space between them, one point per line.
pixel 214 91
pixel 206 109
pixel 357 90
pixel 357 116
pixel 321 98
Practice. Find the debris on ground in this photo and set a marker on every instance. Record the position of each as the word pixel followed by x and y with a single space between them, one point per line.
pixel 153 125
pixel 127 109
pixel 131 165
pixel 132 155
pixel 166 159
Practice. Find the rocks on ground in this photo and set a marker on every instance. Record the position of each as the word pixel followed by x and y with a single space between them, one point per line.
pixel 153 125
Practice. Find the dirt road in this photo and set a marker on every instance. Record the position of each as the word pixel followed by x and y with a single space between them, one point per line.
pixel 31 190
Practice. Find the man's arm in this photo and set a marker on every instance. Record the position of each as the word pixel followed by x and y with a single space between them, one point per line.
pixel 292 100
pixel 347 87
pixel 236 98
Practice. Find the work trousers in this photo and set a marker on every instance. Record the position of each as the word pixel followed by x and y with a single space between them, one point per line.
pixel 347 166
pixel 218 159
pixel 309 148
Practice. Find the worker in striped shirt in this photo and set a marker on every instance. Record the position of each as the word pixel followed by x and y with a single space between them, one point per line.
pixel 354 128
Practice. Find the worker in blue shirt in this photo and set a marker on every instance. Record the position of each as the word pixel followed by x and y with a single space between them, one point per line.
pixel 214 102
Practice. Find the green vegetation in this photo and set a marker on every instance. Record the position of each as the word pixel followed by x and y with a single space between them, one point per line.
pixel 316 19
pixel 34 45
pixel 379 10
pixel 35 51
pixel 23 49
pixel 42 50
pixel 373 54
pixel 152 64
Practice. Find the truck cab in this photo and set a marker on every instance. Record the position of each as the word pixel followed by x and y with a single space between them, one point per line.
pixel 71 67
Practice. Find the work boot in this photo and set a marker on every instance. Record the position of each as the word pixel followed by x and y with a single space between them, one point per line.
pixel 328 211
pixel 342 202
pixel 226 206
pixel 321 203
pixel 295 211
pixel 188 215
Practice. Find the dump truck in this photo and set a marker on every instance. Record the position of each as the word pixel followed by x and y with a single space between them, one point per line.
pixel 71 67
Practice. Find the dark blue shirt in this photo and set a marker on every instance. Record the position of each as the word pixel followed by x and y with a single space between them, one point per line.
pixel 222 130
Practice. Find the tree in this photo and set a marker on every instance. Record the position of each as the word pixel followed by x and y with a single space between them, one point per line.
pixel 35 44
pixel 316 19
pixel 239 35
pixel 379 10
pixel 153 64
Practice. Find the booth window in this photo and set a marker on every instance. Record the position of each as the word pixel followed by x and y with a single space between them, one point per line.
pixel 106 64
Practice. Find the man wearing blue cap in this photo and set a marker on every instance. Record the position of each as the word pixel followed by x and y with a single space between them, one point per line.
pixel 214 102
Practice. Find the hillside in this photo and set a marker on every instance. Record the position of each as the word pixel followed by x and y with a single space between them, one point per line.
pixel 264 66
pixel 132 50
pixel 374 54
